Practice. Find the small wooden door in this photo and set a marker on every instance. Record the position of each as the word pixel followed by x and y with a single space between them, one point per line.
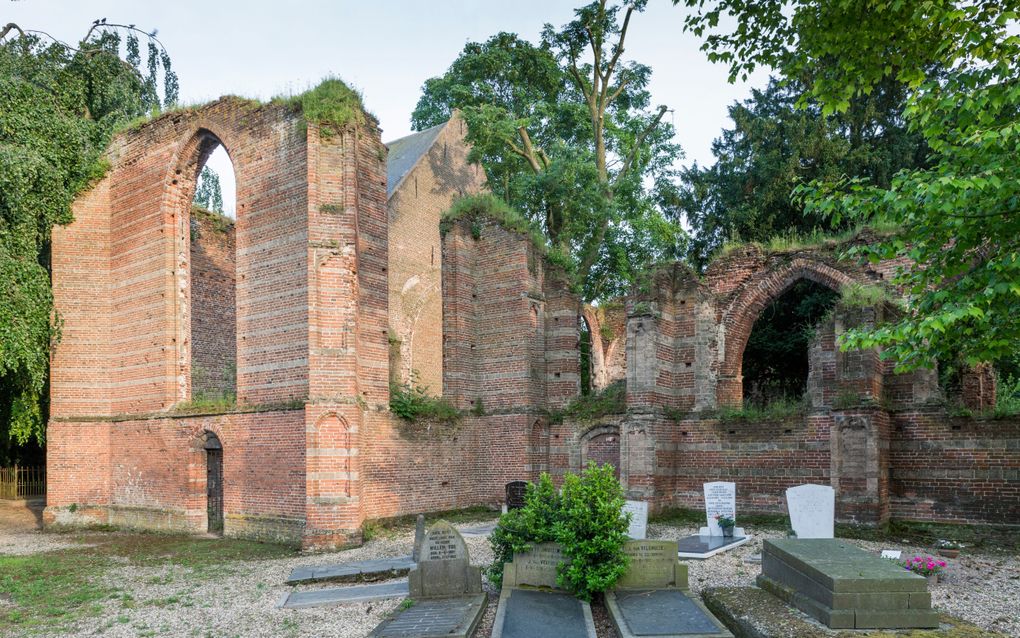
pixel 214 485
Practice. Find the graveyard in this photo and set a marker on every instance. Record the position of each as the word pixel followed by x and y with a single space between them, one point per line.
pixel 450 321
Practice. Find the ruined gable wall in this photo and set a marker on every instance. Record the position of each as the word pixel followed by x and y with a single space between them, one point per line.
pixel 415 254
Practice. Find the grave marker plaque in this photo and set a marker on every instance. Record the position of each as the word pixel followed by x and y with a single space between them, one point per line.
pixel 515 493
pixel 444 567
pixel 638 511
pixel 720 499
pixel 536 567
pixel 653 565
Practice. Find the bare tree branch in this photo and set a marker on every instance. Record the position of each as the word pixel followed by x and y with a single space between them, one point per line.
pixel 638 141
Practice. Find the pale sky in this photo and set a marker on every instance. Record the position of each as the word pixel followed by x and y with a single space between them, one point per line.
pixel 386 49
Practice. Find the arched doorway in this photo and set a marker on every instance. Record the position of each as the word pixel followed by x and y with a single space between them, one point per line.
pixel 601 445
pixel 214 483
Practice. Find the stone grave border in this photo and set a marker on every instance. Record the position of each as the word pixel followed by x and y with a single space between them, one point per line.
pixel 507 590
pixel 680 584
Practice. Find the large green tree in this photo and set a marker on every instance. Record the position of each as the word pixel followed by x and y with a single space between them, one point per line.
pixel 959 218
pixel 567 135
pixel 59 106
pixel 773 146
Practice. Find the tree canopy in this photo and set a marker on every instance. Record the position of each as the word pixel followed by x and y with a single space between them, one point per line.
pixel 773 146
pixel 566 134
pixel 208 193
pixel 59 106
pixel 958 214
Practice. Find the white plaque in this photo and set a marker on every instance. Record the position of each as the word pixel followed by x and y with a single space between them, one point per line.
pixel 720 500
pixel 812 510
pixel 894 554
pixel 638 518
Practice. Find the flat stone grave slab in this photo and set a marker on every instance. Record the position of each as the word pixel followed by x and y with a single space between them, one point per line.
pixel 664 613
pixel 482 529
pixel 435 618
pixel 651 598
pixel 845 587
pixel 530 613
pixel 530 606
pixel 701 546
pixel 366 570
pixel 341 595
pixel 755 612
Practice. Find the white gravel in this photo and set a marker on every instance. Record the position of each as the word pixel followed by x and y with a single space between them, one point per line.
pixel 980 588
pixel 240 598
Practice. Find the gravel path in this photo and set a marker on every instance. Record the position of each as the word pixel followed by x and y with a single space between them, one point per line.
pixel 20 530
pixel 239 599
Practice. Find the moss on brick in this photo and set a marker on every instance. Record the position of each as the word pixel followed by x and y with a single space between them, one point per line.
pixel 332 106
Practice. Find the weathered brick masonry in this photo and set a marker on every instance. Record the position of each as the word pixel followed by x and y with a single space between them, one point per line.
pixel 310 449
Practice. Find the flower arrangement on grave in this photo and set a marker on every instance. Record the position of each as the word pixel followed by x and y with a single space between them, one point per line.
pixel 948 548
pixel 726 524
pixel 926 566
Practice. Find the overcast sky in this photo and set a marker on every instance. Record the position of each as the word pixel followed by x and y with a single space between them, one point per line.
pixel 386 49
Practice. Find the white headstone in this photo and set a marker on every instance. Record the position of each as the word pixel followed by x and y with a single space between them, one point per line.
pixel 812 510
pixel 638 518
pixel 720 500
pixel 894 554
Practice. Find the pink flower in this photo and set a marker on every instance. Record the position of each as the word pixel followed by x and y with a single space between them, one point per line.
pixel 942 563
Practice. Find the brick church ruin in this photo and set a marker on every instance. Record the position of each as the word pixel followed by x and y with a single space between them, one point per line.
pixel 336 279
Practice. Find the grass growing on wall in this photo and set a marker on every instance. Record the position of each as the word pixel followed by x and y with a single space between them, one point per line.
pixel 591 407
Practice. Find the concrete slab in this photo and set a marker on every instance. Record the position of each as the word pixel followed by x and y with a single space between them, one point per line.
pixel 703 546
pixel 437 618
pixel 664 613
pixel 483 529
pixel 533 613
pixel 360 571
pixel 341 595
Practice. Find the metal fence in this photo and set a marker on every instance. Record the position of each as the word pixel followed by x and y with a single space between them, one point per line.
pixel 22 482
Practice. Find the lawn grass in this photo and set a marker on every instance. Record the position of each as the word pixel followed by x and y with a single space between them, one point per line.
pixel 987 538
pixel 52 590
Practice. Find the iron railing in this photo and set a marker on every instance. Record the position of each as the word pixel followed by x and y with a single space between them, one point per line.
pixel 22 482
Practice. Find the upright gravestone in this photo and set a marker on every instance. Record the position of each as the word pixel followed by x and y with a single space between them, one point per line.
pixel 419 537
pixel 638 511
pixel 444 568
pixel 651 598
pixel 532 606
pixel 720 500
pixel 515 493
pixel 446 588
pixel 812 510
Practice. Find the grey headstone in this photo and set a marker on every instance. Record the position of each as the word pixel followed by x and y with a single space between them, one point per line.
pixel 537 567
pixel 419 537
pixel 812 510
pixel 444 567
pixel 653 565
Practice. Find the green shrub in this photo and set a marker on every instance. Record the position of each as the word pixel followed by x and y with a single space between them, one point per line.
pixel 586 408
pixel 586 519
pixel 1007 396
pixel 592 531
pixel 412 402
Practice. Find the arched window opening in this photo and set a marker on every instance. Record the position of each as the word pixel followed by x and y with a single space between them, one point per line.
pixel 584 346
pixel 775 360
pixel 212 280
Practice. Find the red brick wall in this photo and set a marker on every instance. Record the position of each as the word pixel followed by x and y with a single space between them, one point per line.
pixel 951 469
pixel 213 320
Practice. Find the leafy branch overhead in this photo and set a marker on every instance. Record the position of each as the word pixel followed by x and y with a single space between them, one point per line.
pixel 59 107
pixel 958 64
pixel 566 134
